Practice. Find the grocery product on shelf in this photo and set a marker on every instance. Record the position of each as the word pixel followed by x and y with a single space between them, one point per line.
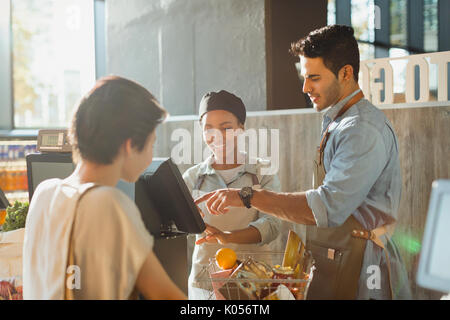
pixel 13 169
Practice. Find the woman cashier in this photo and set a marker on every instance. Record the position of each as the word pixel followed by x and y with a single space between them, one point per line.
pixel 84 238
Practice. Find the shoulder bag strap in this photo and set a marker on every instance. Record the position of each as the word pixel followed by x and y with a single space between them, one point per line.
pixel 68 293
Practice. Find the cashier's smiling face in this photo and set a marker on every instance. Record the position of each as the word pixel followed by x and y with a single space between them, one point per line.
pixel 320 83
pixel 215 125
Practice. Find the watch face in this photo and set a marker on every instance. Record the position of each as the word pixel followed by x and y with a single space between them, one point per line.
pixel 246 191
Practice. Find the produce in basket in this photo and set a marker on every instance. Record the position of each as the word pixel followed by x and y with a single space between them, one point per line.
pixel 16 216
pixel 294 253
pixel 260 268
pixel 8 291
pixel 226 258
pixel 241 289
pixel 281 293
pixel 254 279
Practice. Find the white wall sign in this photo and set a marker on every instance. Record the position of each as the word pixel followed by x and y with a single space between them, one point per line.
pixel 370 70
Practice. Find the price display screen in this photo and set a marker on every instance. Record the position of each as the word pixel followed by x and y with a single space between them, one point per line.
pixel 51 140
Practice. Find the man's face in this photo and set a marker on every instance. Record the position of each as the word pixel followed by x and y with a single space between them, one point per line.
pixel 320 83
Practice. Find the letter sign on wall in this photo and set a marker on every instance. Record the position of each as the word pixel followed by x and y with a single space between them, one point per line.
pixel 371 70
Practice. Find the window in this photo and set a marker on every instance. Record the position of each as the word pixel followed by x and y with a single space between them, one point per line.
pixel 53 59
pixel 399 73
pixel 363 20
pixel 430 20
pixel 381 25
pixel 52 51
pixel 398 23
pixel 395 28
pixel 331 12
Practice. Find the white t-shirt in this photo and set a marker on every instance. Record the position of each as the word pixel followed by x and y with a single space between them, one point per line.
pixel 229 174
pixel 110 242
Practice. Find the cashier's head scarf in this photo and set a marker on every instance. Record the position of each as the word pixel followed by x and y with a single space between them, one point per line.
pixel 222 100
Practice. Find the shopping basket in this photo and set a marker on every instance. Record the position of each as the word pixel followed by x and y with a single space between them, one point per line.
pixel 212 283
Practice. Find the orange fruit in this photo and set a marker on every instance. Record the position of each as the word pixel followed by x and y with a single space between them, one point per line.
pixel 2 216
pixel 226 258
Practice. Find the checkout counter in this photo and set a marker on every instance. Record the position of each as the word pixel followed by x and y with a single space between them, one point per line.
pixel 165 203
pixel 170 214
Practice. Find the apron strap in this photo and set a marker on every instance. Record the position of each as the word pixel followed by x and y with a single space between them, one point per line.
pixel 374 236
pixel 347 106
pixel 319 169
pixel 255 180
pixel 199 182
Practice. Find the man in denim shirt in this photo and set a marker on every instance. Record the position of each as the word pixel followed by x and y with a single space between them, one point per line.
pixel 360 160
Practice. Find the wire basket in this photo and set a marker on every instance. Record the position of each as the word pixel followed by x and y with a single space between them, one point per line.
pixel 213 283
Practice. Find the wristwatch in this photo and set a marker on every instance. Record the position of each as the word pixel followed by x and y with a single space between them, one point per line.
pixel 246 194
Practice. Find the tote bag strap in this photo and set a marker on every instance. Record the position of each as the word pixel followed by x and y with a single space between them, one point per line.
pixel 68 292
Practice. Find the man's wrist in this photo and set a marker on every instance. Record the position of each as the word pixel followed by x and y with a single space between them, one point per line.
pixel 257 197
pixel 227 236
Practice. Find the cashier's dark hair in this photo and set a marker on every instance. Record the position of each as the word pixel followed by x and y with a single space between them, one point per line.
pixel 335 44
pixel 115 110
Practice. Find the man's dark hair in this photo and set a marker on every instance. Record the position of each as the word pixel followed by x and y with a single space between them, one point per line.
pixel 115 110
pixel 335 44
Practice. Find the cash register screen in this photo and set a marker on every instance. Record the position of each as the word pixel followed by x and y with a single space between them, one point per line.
pixel 41 167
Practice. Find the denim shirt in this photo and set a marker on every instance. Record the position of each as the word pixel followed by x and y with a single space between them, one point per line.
pixel 363 178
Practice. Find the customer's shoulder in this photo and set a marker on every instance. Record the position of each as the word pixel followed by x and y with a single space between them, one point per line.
pixel 105 195
pixel 109 207
pixel 47 187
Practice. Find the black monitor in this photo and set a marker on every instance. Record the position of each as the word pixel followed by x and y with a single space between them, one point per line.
pixel 43 166
pixel 160 192
pixel 169 196
pixel 4 203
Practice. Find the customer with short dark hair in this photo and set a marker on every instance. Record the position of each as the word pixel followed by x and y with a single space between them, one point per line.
pixel 84 238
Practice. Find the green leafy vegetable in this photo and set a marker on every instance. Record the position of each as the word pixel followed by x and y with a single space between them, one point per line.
pixel 15 216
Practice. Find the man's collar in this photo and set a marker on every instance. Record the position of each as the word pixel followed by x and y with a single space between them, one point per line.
pixel 333 110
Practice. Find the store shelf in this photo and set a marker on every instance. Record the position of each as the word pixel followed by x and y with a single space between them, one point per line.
pixel 13 169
